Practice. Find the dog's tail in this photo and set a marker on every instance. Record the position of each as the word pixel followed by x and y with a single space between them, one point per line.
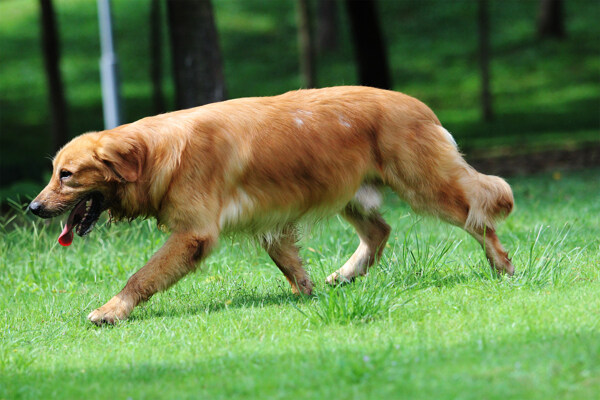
pixel 490 199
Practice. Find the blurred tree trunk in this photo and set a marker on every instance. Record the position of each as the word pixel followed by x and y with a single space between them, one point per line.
pixel 56 97
pixel 156 58
pixel 483 24
pixel 197 63
pixel 369 48
pixel 307 44
pixel 551 19
pixel 327 25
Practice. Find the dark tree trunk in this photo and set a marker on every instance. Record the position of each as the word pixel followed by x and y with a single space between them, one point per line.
pixel 197 64
pixel 369 48
pixel 327 25
pixel 551 17
pixel 56 97
pixel 483 23
pixel 156 58
pixel 307 44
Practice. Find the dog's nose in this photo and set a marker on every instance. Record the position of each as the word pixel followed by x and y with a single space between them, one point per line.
pixel 35 207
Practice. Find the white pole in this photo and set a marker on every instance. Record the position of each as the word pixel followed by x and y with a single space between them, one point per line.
pixel 111 100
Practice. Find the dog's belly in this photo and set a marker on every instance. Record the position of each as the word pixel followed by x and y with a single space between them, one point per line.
pixel 247 214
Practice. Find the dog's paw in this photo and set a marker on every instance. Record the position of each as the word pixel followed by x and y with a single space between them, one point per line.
pixel 112 312
pixel 337 279
pixel 332 279
pixel 304 287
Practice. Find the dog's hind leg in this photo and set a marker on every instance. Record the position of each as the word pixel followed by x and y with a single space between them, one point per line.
pixel 458 207
pixel 474 205
pixel 176 258
pixel 373 233
pixel 495 253
pixel 284 253
pixel 490 199
pixel 427 170
pixel 471 201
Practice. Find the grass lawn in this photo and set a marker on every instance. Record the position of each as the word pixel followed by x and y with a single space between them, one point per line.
pixel 430 322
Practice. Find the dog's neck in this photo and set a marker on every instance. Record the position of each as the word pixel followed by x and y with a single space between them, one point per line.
pixel 131 201
pixel 144 197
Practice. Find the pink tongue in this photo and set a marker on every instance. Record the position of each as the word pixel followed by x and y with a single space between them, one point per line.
pixel 66 237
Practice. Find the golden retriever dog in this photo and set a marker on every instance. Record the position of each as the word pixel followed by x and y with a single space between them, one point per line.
pixel 262 166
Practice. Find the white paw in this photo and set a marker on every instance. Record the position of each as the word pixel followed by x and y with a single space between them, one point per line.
pixel 112 312
pixel 336 278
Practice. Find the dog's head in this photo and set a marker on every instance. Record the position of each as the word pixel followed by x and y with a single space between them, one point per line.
pixel 87 173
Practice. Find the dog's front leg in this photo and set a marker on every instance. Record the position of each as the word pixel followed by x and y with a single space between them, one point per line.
pixel 178 256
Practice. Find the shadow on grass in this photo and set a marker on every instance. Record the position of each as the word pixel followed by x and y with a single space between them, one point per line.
pixel 195 306
pixel 536 365
pixel 191 304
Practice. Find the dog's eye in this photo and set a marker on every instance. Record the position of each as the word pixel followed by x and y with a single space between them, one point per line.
pixel 65 174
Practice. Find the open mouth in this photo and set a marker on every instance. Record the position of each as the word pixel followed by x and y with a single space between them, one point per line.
pixel 82 219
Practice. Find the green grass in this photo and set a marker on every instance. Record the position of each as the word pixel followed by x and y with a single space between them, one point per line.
pixel 546 93
pixel 431 321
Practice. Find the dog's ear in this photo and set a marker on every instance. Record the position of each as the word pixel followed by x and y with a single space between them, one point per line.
pixel 123 154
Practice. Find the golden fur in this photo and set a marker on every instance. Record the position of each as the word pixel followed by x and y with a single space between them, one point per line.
pixel 262 165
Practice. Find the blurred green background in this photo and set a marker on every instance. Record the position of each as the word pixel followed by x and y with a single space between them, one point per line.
pixel 546 93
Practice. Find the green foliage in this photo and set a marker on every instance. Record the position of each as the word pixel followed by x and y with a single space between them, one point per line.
pixel 431 321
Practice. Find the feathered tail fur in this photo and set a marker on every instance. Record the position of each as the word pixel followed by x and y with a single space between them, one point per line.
pixel 490 199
